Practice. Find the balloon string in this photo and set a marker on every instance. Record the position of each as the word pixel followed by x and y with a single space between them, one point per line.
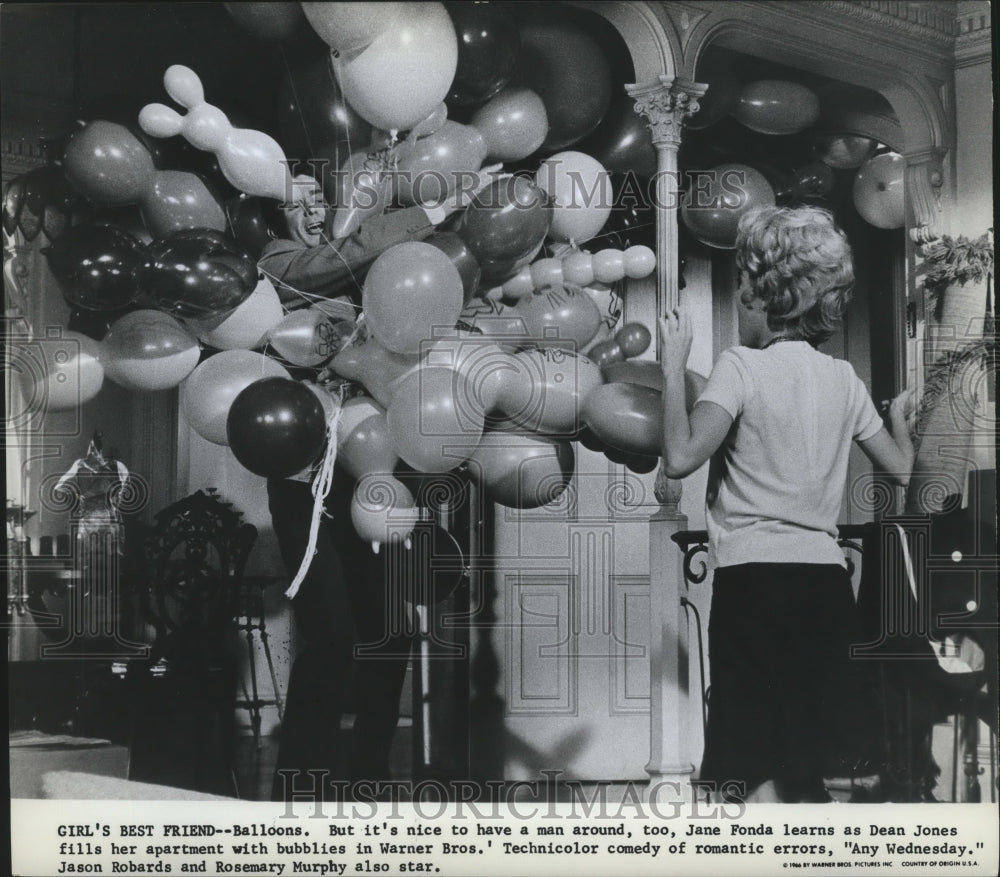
pixel 339 96
pixel 610 233
pixel 340 256
pixel 307 297
pixel 298 103
pixel 322 481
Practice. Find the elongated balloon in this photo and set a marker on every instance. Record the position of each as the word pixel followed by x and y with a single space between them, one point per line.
pixel 252 161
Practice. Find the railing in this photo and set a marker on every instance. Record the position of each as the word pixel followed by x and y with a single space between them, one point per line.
pixel 695 542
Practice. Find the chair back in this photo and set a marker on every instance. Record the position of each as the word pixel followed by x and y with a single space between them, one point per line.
pixel 195 557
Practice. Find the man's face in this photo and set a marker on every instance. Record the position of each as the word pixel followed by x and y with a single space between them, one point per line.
pixel 307 218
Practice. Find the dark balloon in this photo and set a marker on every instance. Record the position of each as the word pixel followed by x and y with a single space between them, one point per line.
pixel 314 120
pixel 488 43
pixel 713 106
pixel 632 221
pixel 505 226
pixel 97 266
pixel 197 273
pixel 627 417
pixel 461 257
pixel 249 224
pixel 42 200
pixel 640 464
pixel 267 21
pixel 812 180
pixel 622 142
pixel 606 353
pixel 565 66
pixel 276 427
pixel 634 339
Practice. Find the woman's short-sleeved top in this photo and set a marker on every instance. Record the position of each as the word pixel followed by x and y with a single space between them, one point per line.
pixel 776 485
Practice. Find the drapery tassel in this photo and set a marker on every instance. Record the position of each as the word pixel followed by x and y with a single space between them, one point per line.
pixel 321 483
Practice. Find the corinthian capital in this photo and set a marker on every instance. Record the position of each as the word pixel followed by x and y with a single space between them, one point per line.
pixel 666 103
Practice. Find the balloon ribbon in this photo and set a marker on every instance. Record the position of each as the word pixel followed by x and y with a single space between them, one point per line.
pixel 321 483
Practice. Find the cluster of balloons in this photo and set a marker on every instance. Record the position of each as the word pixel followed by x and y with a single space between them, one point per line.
pixel 473 350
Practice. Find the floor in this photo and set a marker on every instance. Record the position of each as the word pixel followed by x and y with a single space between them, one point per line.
pixel 255 762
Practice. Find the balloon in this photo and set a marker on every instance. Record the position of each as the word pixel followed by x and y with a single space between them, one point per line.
pixel 434 122
pixel 349 27
pixel 505 226
pixel 383 510
pixel 364 184
pixel 178 200
pixel 245 327
pixel 249 225
pixel 609 266
pixel 561 316
pixel 314 119
pixel 580 190
pixel 58 374
pixel 400 78
pixel 774 106
pixel 252 161
pixel 550 396
pixel 513 124
pixel 812 180
pixel 565 66
pixel 305 337
pixel 369 363
pixel 449 243
pixel 633 220
pixel 634 339
pixel 712 211
pixel 622 142
pixel 364 445
pixel 275 427
pixel 628 417
pixel 197 273
pixel 578 268
pixel 493 319
pixel 647 373
pixel 149 350
pixel 479 360
pixel 410 290
pixel 267 21
pixel 488 43
pixel 209 391
pixel 434 167
pixel 719 101
pixel 844 151
pixel 606 353
pixel 108 164
pixel 433 426
pixel 97 266
pixel 640 261
pixel 521 471
pixel 42 200
pixel 878 191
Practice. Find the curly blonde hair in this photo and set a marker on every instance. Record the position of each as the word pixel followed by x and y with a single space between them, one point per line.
pixel 798 263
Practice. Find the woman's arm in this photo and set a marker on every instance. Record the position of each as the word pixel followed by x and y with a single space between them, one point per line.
pixel 688 440
pixel 891 449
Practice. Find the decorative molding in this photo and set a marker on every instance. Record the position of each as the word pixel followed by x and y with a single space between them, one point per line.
pixel 974 39
pixel 665 103
pixel 924 176
pixel 928 22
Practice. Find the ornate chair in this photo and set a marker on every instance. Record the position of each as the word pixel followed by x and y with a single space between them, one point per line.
pixel 183 695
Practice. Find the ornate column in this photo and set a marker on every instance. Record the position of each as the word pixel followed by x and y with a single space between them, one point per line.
pixel 665 103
